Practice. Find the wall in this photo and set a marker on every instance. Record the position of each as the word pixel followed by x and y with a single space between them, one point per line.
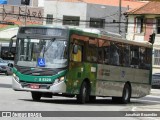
pixel 131 30
pixel 109 13
pixel 16 14
pixel 131 35
pixel 86 11
pixel 58 9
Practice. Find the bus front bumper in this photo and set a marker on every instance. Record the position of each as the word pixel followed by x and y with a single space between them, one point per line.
pixel 53 88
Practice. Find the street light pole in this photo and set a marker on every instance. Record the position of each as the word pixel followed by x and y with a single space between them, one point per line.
pixel 120 4
pixel 25 2
pixel 25 15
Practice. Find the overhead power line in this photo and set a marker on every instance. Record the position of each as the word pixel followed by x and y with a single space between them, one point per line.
pixel 62 20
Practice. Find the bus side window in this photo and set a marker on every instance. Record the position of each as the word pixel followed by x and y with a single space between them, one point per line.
pixel 91 52
pixel 106 55
pixel 135 56
pixel 114 54
pixel 126 55
pixel 100 55
pixel 144 61
pixel 106 46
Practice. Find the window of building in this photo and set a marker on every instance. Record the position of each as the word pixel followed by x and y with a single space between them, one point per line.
pixel 97 23
pixel 158 26
pixel 139 24
pixel 157 57
pixel 71 20
pixel 49 19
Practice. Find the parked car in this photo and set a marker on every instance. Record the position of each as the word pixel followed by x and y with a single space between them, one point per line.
pixel 5 67
pixel 156 80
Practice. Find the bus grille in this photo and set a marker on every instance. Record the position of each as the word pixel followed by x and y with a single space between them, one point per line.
pixel 37 71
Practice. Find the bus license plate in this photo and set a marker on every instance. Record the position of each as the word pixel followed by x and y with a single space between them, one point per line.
pixel 34 86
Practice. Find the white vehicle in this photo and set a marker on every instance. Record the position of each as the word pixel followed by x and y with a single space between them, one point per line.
pixel 5 67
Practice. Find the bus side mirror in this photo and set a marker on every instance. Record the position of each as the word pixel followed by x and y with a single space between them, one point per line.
pixel 75 49
pixel 10 65
pixel 11 43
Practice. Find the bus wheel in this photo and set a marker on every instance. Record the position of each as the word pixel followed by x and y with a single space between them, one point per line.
pixel 83 96
pixel 126 94
pixel 36 96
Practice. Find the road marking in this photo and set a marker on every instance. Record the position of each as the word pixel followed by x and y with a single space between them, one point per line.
pixel 153 96
pixel 147 100
pixel 153 118
pixel 134 108
pixel 151 101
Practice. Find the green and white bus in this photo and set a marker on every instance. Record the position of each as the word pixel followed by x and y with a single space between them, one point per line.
pixel 82 63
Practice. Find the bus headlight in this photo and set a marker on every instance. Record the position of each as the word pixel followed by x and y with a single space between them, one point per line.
pixel 16 77
pixel 58 80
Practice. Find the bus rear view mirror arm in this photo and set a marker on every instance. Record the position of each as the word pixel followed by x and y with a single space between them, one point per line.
pixel 75 49
pixel 11 42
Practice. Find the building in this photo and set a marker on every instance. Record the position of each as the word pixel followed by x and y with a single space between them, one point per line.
pixel 100 14
pixel 13 15
pixel 142 22
pixel 20 15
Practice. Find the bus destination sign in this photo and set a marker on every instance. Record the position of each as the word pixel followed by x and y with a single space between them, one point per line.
pixel 43 31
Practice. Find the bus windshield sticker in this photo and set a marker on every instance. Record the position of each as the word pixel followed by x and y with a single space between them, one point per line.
pixel 41 62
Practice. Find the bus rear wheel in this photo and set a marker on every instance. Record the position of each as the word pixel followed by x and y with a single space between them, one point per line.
pixel 83 96
pixel 36 96
pixel 126 94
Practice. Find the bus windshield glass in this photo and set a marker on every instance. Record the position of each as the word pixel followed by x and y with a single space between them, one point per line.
pixel 53 52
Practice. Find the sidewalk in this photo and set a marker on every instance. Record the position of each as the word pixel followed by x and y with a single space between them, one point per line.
pixel 155 92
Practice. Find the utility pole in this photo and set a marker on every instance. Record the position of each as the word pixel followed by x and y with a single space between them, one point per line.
pixel 120 4
pixel 3 14
pixel 25 15
pixel 25 2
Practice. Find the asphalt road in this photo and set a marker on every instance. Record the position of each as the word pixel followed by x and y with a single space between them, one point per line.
pixel 21 101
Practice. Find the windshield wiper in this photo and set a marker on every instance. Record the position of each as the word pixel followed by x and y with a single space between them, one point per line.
pixel 48 46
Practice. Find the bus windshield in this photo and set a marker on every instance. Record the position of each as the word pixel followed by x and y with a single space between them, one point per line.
pixel 53 51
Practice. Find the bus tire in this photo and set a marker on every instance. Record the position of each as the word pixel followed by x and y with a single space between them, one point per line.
pixel 83 96
pixel 36 96
pixel 126 94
